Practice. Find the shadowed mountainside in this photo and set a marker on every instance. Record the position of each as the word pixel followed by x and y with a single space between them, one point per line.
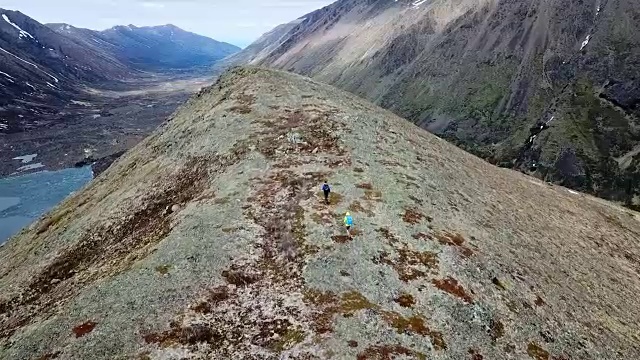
pixel 210 240
pixel 152 48
pixel 71 95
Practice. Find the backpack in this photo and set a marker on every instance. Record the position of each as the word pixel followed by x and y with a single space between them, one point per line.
pixel 326 187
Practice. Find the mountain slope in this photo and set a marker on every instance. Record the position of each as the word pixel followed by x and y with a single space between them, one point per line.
pixel 263 46
pixel 482 73
pixel 210 239
pixel 41 71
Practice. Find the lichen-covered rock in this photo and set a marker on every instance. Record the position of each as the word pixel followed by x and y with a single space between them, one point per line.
pixel 211 240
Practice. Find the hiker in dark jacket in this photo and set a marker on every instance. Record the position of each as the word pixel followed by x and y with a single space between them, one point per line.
pixel 327 190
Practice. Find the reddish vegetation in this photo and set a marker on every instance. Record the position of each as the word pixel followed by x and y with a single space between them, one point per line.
pixel 240 277
pixel 50 356
pixel 283 241
pixel 409 262
pixel 412 216
pixel 455 240
pixel 405 300
pixel 414 324
pixel 349 303
pixel 496 329
pixel 475 354
pixel 422 236
pixel 186 335
pixel 373 195
pixel 341 239
pixel 387 235
pixel 451 286
pixel 388 352
pixel 357 207
pixel 366 186
pixel 330 304
pixel 83 329
pixel 213 297
pixel 450 239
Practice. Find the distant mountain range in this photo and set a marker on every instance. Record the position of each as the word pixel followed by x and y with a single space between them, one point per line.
pixel 157 48
pixel 43 67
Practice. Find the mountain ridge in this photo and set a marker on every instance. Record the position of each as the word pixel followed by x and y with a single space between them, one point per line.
pixel 482 73
pixel 210 239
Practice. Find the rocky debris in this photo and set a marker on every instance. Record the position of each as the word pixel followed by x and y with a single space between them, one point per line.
pixel 210 239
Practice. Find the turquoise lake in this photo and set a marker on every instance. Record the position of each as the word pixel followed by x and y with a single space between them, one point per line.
pixel 23 199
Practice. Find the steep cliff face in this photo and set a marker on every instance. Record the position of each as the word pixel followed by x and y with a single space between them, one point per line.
pixel 210 239
pixel 482 73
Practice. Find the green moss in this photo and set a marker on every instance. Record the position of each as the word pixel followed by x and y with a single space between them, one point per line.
pixel 536 352
pixel 163 269
pixel 298 228
pixel 289 340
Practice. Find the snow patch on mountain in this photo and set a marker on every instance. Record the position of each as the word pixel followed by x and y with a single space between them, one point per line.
pixel 416 4
pixel 30 63
pixel 9 77
pixel 585 42
pixel 26 158
pixel 30 167
pixel 22 32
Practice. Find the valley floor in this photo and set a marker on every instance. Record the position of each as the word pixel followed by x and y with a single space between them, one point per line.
pixel 113 121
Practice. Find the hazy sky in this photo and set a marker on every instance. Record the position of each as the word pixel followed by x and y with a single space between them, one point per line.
pixel 236 21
